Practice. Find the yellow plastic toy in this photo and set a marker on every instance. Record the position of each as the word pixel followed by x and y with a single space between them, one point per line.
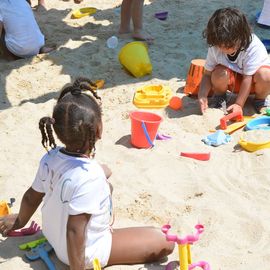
pixel 79 13
pixel 152 96
pixel 96 264
pixel 252 146
pixel 134 57
pixel 4 209
pixel 184 250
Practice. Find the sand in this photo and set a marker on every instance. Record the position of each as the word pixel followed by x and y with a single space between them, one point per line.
pixel 229 194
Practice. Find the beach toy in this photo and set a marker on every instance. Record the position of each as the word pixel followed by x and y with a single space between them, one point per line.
pixel 163 137
pixel 217 138
pixel 112 42
pixel 81 12
pixel 144 128
pixel 253 146
pixel 152 96
pixel 238 116
pixel 194 76
pixel 5 207
pixel 161 15
pixel 34 228
pixel 175 103
pixel 41 252
pixel 259 123
pixel 184 249
pixel 134 57
pixel 195 155
pixel 96 264
pixel 32 244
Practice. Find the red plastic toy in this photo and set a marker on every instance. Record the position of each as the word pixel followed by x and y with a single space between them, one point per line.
pixel 198 156
pixel 237 116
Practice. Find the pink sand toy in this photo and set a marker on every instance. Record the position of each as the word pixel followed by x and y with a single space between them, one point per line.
pixel 184 249
pixel 34 228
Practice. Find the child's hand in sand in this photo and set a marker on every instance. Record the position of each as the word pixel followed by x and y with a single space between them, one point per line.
pixel 235 108
pixel 203 104
pixel 8 223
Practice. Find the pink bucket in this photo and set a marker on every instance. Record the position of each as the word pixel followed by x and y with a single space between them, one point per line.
pixel 144 128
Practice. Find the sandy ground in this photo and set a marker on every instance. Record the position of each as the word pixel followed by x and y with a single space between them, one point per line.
pixel 229 194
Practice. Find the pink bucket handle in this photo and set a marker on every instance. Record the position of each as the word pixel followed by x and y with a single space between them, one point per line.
pixel 189 239
pixel 202 264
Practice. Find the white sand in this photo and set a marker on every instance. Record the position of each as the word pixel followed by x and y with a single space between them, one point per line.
pixel 229 194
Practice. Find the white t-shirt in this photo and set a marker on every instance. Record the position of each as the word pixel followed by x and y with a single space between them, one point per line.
pixel 22 34
pixel 72 186
pixel 247 62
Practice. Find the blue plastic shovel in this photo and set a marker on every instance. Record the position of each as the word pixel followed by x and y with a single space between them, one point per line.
pixel 41 251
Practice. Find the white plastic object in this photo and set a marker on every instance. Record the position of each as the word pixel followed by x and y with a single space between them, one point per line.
pixel 112 42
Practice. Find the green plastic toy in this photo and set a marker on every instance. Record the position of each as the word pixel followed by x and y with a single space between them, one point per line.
pixel 32 244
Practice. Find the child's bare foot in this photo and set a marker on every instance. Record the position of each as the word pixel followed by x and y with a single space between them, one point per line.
pixel 46 49
pixel 143 36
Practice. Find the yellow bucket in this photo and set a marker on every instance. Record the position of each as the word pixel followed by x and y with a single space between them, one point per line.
pixel 134 57
pixel 4 209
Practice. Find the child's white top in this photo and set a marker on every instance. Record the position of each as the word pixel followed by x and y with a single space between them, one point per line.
pixel 72 186
pixel 22 34
pixel 247 62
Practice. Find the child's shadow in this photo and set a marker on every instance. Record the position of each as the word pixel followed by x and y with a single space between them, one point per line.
pixel 9 248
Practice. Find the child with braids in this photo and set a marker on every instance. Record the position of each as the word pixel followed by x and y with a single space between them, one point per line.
pixel 75 192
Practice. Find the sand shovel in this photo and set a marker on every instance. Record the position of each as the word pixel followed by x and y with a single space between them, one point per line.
pixel 41 251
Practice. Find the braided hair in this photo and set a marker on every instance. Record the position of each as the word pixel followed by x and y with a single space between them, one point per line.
pixel 76 118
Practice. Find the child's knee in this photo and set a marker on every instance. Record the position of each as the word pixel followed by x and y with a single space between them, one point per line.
pixel 262 75
pixel 220 72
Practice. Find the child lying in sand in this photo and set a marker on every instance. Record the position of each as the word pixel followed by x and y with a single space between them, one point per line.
pixel 20 36
pixel 73 186
pixel 237 61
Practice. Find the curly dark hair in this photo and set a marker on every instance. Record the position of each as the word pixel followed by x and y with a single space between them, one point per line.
pixel 76 118
pixel 228 27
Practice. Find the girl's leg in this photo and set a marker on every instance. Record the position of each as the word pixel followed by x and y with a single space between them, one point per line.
pixel 262 83
pixel 125 16
pixel 138 245
pixel 137 19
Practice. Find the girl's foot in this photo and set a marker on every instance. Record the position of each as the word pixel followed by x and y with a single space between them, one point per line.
pixel 143 36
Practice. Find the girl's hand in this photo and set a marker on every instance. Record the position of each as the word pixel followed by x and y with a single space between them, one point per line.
pixel 8 223
pixel 203 104
pixel 235 108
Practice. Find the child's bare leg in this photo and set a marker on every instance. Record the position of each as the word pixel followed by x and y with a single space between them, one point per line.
pixel 138 245
pixel 262 83
pixel 137 18
pixel 125 16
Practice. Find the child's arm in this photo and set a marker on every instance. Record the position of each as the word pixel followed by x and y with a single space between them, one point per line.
pixel 243 94
pixel 76 227
pixel 204 90
pixel 30 202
